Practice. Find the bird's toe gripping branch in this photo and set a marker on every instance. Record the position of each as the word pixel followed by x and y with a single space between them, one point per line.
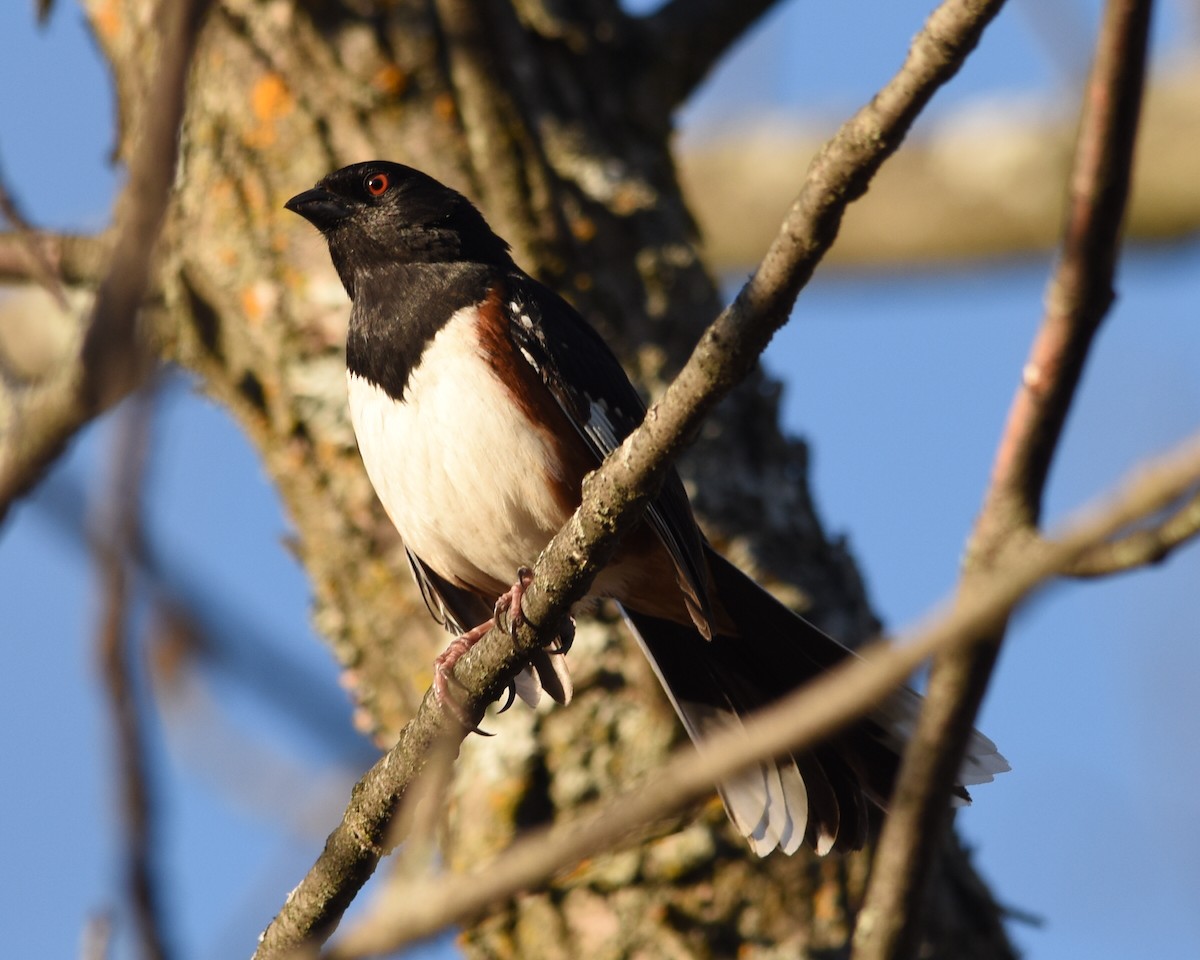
pixel 510 602
pixel 443 675
pixel 507 605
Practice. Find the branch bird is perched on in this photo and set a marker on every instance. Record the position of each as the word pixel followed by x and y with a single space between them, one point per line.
pixel 480 399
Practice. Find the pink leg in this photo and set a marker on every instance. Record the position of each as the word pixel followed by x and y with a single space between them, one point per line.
pixel 443 666
pixel 443 673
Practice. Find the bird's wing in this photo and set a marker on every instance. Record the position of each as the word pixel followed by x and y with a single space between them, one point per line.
pixel 588 383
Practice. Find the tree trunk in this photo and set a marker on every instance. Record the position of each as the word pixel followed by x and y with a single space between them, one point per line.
pixel 555 123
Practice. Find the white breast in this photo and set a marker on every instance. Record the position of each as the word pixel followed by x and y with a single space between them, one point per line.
pixel 458 467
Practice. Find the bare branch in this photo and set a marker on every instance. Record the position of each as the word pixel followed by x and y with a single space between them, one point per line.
pixel 111 360
pixel 615 494
pixel 76 259
pixel 97 937
pixel 113 550
pixel 1079 297
pixel 113 355
pixel 205 624
pixel 1080 292
pixel 1142 547
pixel 417 909
pixel 39 265
pixel 684 39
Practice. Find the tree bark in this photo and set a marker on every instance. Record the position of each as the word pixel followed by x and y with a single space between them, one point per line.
pixel 549 117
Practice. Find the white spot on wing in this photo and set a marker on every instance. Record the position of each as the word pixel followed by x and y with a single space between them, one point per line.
pixel 599 425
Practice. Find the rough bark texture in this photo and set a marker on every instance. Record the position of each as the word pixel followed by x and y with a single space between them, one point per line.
pixel 538 112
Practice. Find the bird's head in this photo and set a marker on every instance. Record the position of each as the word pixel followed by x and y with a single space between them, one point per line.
pixel 377 214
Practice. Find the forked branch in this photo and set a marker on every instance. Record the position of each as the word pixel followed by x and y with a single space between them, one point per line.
pixel 1080 293
pixel 615 494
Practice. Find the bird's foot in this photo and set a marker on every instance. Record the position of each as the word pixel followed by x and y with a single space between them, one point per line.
pixel 443 675
pixel 509 605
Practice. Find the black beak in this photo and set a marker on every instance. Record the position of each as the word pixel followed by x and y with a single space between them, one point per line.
pixel 320 208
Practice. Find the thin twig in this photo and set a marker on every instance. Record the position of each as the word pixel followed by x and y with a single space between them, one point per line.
pixel 38 263
pixel 614 495
pixel 223 637
pixel 76 259
pixel 113 549
pixel 114 356
pixel 113 361
pixel 96 940
pixel 838 697
pixel 1081 289
pixel 1142 547
pixel 890 922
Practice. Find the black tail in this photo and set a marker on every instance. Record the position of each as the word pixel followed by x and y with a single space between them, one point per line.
pixel 819 796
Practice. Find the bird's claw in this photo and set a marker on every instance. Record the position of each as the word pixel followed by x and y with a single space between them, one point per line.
pixel 566 636
pixel 443 667
pixel 443 676
pixel 510 602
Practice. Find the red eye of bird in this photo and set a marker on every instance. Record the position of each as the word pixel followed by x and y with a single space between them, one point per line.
pixel 377 184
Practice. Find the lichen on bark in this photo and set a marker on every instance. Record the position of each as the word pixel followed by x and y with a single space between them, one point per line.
pixel 535 112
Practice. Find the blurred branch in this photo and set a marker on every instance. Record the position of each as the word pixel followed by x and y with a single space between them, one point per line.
pixel 114 357
pixel 112 552
pixel 1078 299
pixel 614 495
pixel 39 264
pixel 1142 547
pixel 983 181
pixel 75 259
pixel 412 910
pixel 97 937
pixel 684 39
pixel 220 634
pixel 1081 289
pixel 111 359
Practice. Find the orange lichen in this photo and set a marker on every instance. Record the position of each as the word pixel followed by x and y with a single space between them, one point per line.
pixel 106 18
pixel 444 107
pixel 270 102
pixel 583 228
pixel 390 80
pixel 252 306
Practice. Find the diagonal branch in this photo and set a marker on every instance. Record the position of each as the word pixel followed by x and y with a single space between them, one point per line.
pixel 1142 547
pixel 413 909
pixel 684 39
pixel 39 265
pixel 615 494
pixel 1080 293
pixel 111 361
pixel 76 259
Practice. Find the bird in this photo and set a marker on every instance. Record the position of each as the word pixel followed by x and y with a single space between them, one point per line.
pixel 480 399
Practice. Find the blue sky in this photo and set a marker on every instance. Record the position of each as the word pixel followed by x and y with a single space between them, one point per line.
pixel 900 383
